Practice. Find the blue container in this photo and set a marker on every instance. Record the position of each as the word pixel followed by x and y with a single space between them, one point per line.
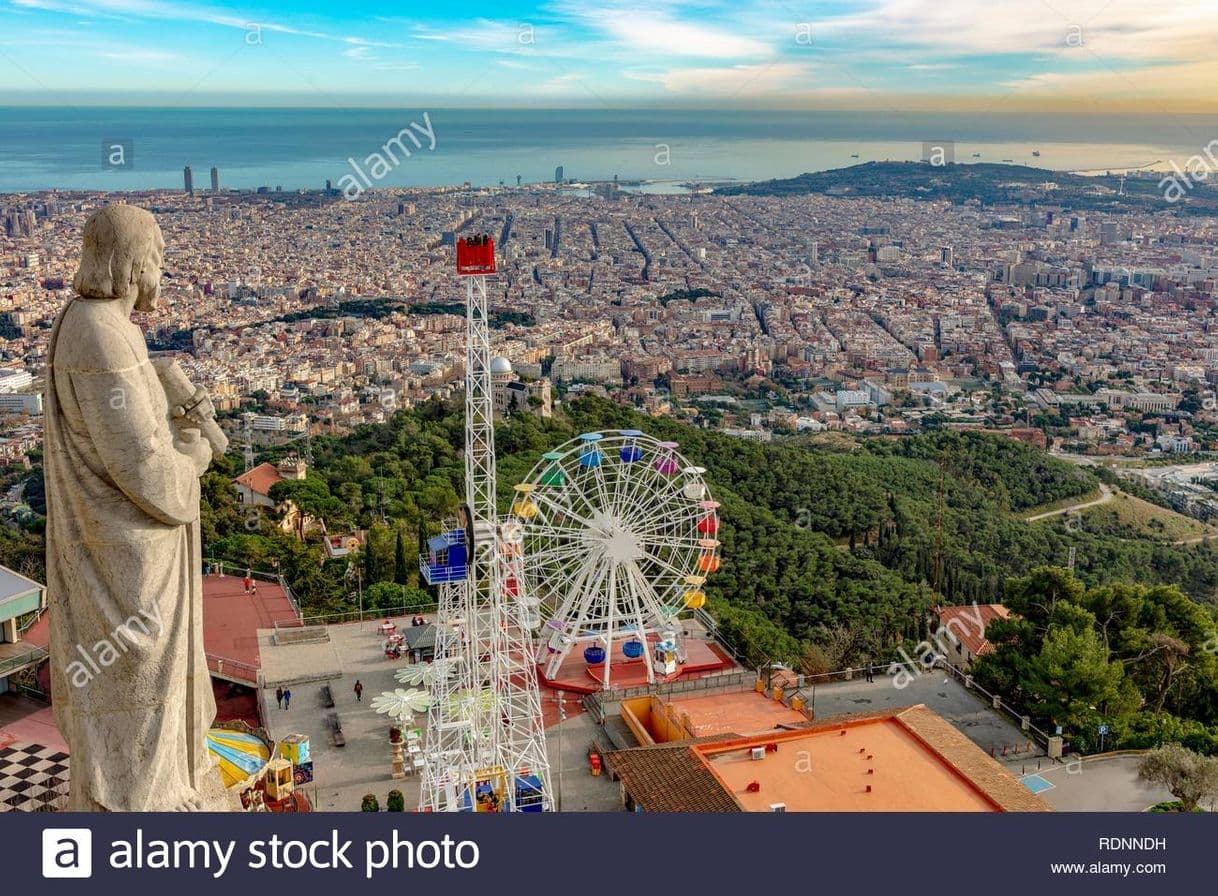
pixel 594 655
pixel 633 649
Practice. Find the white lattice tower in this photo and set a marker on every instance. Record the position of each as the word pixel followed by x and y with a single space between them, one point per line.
pixel 485 719
pixel 445 742
pixel 523 745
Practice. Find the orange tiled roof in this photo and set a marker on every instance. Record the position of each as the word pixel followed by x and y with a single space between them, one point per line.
pixel 260 479
pixel 677 777
pixel 672 778
pixel 964 623
pixel 969 760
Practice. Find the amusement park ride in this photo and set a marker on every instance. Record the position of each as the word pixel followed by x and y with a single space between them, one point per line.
pixel 619 537
pixel 485 744
pixel 615 533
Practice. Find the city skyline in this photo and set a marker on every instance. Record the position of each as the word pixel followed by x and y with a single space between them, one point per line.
pixel 571 53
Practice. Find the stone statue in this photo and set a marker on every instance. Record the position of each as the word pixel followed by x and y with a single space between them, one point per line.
pixel 129 680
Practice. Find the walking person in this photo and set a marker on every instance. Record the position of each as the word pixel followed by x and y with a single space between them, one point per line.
pixel 287 699
pixel 279 697
pixel 254 588
pixel 359 691
pixel 247 581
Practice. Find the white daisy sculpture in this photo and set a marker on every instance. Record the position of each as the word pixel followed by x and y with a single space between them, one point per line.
pixel 423 673
pixel 401 704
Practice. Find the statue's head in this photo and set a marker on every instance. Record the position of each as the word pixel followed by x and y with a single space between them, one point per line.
pixel 123 249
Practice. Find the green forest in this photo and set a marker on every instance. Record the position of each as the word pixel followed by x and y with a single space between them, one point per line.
pixel 833 554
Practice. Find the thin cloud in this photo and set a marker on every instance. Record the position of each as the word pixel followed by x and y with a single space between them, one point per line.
pixel 644 29
pixel 140 56
pixel 754 78
pixel 159 10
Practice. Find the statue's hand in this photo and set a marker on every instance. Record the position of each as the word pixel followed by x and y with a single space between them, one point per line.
pixel 190 442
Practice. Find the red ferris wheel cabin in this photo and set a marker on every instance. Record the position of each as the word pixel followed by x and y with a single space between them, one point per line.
pixel 476 255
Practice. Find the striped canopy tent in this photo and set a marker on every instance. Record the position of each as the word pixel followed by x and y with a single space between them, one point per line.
pixel 242 755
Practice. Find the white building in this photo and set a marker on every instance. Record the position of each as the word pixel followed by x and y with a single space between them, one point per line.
pixel 14 380
pixel 21 403
pixel 851 398
pixel 877 393
pixel 595 370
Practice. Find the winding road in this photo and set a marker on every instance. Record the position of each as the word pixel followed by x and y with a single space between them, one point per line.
pixel 1106 495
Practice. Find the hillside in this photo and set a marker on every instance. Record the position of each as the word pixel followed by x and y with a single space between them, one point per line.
pixel 934 518
pixel 1127 516
pixel 984 182
pixel 784 506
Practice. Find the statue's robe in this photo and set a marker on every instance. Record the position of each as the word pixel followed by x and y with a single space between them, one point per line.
pixel 130 686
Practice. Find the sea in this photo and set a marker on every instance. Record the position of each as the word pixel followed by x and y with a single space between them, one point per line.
pixel 657 150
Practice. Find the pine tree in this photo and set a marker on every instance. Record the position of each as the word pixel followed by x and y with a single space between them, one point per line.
pixel 401 569
pixel 370 576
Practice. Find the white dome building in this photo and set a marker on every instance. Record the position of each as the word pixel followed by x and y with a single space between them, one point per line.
pixel 501 370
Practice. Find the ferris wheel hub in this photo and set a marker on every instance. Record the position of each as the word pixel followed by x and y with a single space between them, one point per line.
pixel 622 546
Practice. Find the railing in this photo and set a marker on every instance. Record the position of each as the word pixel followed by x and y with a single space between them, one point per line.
pixel 235 670
pixel 214 566
pixel 681 686
pixel 30 620
pixel 367 615
pixel 11 664
pixel 735 651
pixel 291 597
pixel 30 692
pixel 996 702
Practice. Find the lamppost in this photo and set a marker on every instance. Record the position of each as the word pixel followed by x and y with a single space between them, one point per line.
pixel 562 715
pixel 354 568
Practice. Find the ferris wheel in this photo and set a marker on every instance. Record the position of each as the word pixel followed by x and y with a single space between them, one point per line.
pixel 619 533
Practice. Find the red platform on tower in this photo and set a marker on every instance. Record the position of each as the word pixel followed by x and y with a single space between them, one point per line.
pixel 476 255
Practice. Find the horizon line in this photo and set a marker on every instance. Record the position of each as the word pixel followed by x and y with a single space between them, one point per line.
pixel 973 104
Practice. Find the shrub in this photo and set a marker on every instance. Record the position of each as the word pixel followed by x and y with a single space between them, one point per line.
pixel 370 804
pixel 395 802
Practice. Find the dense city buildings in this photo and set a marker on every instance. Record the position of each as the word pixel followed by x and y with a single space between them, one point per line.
pixel 758 315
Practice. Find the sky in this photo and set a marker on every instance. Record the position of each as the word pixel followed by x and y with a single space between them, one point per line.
pixel 1126 55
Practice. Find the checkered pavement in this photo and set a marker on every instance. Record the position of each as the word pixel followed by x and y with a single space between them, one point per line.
pixel 33 778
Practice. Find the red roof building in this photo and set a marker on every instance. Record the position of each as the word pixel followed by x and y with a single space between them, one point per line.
pixel 959 632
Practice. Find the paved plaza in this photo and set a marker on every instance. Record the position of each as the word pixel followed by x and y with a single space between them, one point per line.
pixel 343 775
pixel 1103 784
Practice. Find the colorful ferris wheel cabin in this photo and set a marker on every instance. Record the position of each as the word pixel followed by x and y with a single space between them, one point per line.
pixel 666 463
pixel 590 455
pixel 630 452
